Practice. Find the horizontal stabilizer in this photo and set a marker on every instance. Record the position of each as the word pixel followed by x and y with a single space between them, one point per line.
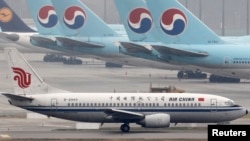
pixel 17 97
pixel 173 51
pixel 135 48
pixel 72 43
pixel 42 40
pixel 122 115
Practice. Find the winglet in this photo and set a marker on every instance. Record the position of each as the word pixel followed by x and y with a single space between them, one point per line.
pixel 25 80
pixel 10 22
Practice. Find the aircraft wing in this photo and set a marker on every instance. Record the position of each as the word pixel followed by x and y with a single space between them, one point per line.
pixel 43 40
pixel 122 115
pixel 71 42
pixel 17 97
pixel 179 52
pixel 135 48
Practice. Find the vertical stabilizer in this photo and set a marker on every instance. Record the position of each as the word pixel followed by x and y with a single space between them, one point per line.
pixel 44 16
pixel 176 24
pixel 9 21
pixel 136 19
pixel 25 80
pixel 78 20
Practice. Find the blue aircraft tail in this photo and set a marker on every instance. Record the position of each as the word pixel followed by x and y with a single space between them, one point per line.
pixel 9 21
pixel 44 16
pixel 176 24
pixel 136 19
pixel 78 20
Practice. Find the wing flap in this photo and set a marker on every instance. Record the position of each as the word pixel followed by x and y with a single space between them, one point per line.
pixel 135 48
pixel 71 42
pixel 122 115
pixel 185 53
pixel 17 97
pixel 42 40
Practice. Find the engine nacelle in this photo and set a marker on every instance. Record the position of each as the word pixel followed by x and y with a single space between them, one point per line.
pixel 156 121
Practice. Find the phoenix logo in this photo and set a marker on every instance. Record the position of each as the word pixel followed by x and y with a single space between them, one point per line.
pixel 140 20
pixel 5 15
pixel 23 78
pixel 74 17
pixel 173 21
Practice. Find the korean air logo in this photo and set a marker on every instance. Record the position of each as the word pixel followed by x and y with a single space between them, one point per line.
pixel 47 16
pixel 74 17
pixel 140 20
pixel 23 78
pixel 173 22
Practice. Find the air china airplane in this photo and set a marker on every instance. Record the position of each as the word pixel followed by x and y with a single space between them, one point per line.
pixel 150 110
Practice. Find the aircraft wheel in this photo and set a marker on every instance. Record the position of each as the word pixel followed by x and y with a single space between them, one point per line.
pixel 125 128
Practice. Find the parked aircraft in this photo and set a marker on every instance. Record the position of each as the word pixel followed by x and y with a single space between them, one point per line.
pixel 91 37
pixel 150 110
pixel 171 33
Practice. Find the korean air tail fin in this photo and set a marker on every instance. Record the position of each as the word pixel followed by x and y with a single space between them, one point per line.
pixel 176 24
pixel 136 19
pixel 25 80
pixel 78 20
pixel 9 20
pixel 44 16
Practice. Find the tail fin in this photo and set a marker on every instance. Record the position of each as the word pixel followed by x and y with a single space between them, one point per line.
pixel 176 24
pixel 25 80
pixel 78 20
pixel 9 21
pixel 136 19
pixel 44 16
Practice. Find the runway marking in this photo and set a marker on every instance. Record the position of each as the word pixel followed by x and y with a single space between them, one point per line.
pixel 4 136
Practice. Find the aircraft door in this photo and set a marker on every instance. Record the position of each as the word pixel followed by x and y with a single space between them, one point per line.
pixel 53 104
pixel 227 61
pixel 139 105
pixel 213 105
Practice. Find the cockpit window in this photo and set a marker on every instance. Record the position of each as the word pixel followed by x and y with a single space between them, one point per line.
pixel 229 103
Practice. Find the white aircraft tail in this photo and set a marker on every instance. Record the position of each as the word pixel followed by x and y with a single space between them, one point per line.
pixel 25 80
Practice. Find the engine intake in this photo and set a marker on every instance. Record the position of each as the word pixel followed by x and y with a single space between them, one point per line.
pixel 155 121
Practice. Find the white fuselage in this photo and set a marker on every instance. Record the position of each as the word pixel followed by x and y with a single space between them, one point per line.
pixel 91 107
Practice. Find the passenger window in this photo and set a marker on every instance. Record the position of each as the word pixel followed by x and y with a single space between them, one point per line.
pixel 72 104
pixel 80 104
pixel 76 104
pixel 68 104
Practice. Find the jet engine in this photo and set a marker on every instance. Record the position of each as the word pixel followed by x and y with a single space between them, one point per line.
pixel 155 121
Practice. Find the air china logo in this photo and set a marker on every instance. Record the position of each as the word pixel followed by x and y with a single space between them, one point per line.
pixel 5 15
pixel 23 78
pixel 74 17
pixel 140 20
pixel 173 21
pixel 47 16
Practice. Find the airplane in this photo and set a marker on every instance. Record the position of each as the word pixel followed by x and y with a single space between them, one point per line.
pixel 92 36
pixel 183 39
pixel 150 110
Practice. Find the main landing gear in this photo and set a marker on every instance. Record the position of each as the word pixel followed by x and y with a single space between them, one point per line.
pixel 125 127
